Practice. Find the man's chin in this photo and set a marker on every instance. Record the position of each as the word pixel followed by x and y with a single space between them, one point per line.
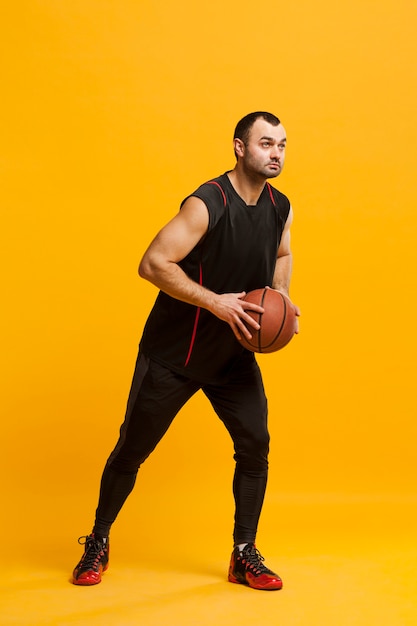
pixel 273 172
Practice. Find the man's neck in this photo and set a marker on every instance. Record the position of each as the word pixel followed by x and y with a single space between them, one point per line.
pixel 247 188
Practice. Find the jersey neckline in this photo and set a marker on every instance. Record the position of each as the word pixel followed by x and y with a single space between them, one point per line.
pixel 241 200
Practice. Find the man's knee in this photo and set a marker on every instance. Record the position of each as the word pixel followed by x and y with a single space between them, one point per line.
pixel 252 454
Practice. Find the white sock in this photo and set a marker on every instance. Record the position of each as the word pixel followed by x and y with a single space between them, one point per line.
pixel 241 546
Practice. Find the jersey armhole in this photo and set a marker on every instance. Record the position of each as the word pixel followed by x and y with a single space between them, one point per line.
pixel 210 197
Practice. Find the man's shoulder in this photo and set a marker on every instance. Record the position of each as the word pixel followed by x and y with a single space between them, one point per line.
pixel 211 191
pixel 280 201
pixel 278 195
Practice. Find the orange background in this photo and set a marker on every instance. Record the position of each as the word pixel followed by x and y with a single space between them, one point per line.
pixel 112 113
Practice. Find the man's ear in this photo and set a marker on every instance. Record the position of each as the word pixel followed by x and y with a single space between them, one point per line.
pixel 239 147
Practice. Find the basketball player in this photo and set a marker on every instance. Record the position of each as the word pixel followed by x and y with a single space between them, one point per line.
pixel 232 235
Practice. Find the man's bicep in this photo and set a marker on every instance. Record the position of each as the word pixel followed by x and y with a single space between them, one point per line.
pixel 183 232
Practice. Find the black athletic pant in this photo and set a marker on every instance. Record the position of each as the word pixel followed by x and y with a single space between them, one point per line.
pixel 156 396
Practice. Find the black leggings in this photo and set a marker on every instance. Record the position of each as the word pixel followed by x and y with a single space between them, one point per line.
pixel 156 396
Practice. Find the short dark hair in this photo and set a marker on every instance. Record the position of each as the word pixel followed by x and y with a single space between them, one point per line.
pixel 243 127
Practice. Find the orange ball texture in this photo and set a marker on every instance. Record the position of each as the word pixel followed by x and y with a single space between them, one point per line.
pixel 277 322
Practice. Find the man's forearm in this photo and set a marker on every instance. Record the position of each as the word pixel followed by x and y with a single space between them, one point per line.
pixel 173 281
pixel 282 274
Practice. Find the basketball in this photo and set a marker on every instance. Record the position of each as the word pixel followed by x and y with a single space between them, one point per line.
pixel 277 323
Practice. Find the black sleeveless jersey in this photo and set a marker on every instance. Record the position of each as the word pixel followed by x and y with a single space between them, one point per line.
pixel 238 253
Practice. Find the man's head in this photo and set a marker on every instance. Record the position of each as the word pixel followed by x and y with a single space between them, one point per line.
pixel 259 145
pixel 243 128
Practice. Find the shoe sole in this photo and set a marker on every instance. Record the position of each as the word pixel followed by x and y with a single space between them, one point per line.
pixel 233 579
pixel 89 582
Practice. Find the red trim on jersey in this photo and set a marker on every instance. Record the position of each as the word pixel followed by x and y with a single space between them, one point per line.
pixel 213 182
pixel 197 315
pixel 271 194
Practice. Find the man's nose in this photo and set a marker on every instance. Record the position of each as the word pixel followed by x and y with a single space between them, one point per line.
pixel 275 153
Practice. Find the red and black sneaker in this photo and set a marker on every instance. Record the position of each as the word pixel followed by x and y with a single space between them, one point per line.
pixel 247 568
pixel 94 562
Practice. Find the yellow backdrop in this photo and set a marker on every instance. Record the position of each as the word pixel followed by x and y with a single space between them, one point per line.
pixel 114 111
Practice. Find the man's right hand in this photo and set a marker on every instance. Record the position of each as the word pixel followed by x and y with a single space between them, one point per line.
pixel 232 308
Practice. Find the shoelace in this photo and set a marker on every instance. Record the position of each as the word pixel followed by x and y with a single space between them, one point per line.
pixel 94 550
pixel 253 559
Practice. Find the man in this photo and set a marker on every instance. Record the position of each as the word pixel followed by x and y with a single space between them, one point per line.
pixel 231 235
